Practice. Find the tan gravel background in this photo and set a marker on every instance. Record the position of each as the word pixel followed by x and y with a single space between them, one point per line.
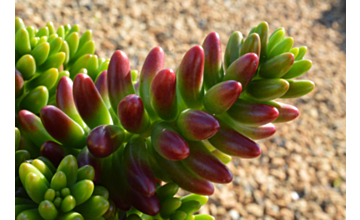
pixel 301 173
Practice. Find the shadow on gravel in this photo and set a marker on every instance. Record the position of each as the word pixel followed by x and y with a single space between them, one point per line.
pixel 336 18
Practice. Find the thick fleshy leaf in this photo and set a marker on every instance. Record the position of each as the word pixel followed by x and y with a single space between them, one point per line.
pixel 169 206
pixel 69 166
pixel 101 86
pixel 22 41
pixel 89 104
pixel 44 31
pixel 62 127
pixel 85 37
pixel 132 114
pixel 286 112
pixel 282 47
pixel 270 89
pixel 61 32
pixel 301 54
pixel 26 168
pixel 196 125
pixel 298 88
pixel 73 41
pixel 79 65
pixel 276 37
pixel 19 23
pixel 93 208
pixel 41 53
pixel 19 84
pixel 35 187
pixel 213 72
pixel 52 37
pixel 35 100
pixel 55 45
pixel 27 66
pixel 87 48
pixel 243 69
pixel 294 51
pixel 231 142
pixel 252 44
pixel 105 140
pixel 263 31
pixel 119 79
pixel 52 151
pixel 167 190
pixel 168 143
pixel 190 77
pixel 50 27
pixel 256 133
pixel 147 205
pixel 93 67
pixel 65 101
pixel 222 96
pixel 74 28
pixel 202 162
pixel 185 178
pixel 137 168
pixel 47 79
pixel 277 66
pixel 252 113
pixel 65 48
pixel 163 94
pixel 233 47
pixel 40 40
pixel 299 68
pixel 54 61
pixel 67 27
pixel 153 63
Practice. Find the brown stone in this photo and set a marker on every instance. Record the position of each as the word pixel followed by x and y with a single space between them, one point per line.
pixel 255 209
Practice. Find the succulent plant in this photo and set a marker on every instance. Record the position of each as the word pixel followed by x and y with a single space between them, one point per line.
pixel 138 130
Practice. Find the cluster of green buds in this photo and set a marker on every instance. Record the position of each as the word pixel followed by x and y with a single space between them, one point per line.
pixel 180 127
pixel 63 193
pixel 43 57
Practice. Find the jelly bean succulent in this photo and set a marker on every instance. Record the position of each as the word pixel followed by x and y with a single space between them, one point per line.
pixel 124 142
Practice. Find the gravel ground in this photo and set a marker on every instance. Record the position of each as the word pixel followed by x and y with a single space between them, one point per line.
pixel 301 173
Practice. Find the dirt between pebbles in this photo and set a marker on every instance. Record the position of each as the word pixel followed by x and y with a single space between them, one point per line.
pixel 301 173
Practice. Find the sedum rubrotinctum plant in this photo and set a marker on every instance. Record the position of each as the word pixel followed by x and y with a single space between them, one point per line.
pixel 96 140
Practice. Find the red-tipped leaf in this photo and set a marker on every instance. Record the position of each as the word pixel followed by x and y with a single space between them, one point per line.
pixel 62 127
pixel 132 114
pixel 119 78
pixel 88 102
pixel 153 63
pixel 213 72
pixel 231 142
pixel 105 140
pixel 196 125
pixel 168 143
pixel 190 77
pixel 243 69
pixel 163 94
